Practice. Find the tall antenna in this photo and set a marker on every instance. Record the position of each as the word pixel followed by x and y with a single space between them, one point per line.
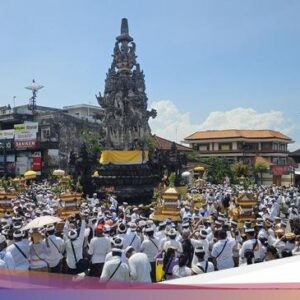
pixel 34 87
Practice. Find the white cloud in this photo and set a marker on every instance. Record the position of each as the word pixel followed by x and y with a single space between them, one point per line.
pixel 171 122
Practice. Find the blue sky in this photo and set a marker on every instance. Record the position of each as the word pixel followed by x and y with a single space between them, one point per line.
pixel 199 57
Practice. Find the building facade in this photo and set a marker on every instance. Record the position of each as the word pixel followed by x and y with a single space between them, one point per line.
pixel 248 146
pixel 41 140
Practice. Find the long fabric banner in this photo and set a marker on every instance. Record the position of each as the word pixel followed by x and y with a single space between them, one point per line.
pixel 123 157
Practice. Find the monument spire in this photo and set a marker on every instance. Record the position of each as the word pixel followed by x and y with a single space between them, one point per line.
pixel 124 32
pixel 124 101
pixel 124 26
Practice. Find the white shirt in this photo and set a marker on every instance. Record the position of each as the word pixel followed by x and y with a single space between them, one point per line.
pixel 38 253
pixel 200 243
pixel 132 239
pixel 122 274
pixel 109 256
pixel 6 260
pixel 99 248
pixel 78 247
pixel 179 272
pixel 210 266
pixel 224 260
pixel 55 254
pixel 173 243
pixel 150 248
pixel 248 245
pixel 20 261
pixel 139 267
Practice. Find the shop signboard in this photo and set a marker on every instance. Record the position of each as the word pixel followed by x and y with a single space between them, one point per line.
pixel 7 134
pixel 37 161
pixel 279 170
pixel 25 144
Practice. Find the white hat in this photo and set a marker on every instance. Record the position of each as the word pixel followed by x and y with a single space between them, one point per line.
pixel 2 238
pixel 50 228
pixel 149 229
pixel 128 248
pixel 199 249
pixel 185 225
pixel 172 232
pixel 72 234
pixel 203 233
pixel 117 250
pixel 117 242
pixel 122 228
pixel 18 234
pixel 249 230
pixel 132 226
pixel 142 223
pixel 17 226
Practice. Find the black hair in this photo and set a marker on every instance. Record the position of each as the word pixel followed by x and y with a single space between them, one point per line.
pixel 116 253
pixel 249 255
pixel 200 255
pixel 273 251
pixel 182 260
pixel 286 253
pixel 222 234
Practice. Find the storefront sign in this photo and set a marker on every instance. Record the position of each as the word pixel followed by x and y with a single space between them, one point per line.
pixel 7 134
pixel 30 126
pixel 37 161
pixel 8 144
pixel 25 135
pixel 27 144
pixel 279 170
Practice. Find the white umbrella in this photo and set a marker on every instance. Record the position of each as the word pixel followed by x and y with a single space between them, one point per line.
pixel 186 174
pixel 41 221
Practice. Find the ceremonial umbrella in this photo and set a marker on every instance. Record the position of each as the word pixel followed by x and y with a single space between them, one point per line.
pixel 199 169
pixel 41 222
pixel 30 174
pixel 59 172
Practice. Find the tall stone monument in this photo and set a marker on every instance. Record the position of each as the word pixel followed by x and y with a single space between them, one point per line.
pixel 124 160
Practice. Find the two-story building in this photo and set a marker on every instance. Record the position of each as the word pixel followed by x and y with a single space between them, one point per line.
pixel 248 146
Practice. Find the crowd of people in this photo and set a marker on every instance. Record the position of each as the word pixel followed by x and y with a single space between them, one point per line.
pixel 117 242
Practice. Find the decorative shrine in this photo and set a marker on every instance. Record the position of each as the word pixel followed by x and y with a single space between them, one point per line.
pixel 168 206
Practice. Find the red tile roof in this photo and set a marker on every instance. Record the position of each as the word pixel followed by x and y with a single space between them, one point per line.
pixel 165 144
pixel 233 133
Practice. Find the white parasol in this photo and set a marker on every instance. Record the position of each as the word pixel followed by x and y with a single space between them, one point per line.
pixel 41 221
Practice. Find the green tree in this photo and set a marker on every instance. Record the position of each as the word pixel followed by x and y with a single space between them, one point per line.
pixel 239 169
pixel 218 169
pixel 193 156
pixel 150 145
pixel 260 168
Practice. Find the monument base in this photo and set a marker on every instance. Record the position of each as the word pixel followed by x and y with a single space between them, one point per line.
pixel 131 183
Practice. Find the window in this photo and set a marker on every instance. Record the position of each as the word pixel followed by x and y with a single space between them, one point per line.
pixel 203 147
pixel 45 134
pixel 225 147
pixel 195 147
